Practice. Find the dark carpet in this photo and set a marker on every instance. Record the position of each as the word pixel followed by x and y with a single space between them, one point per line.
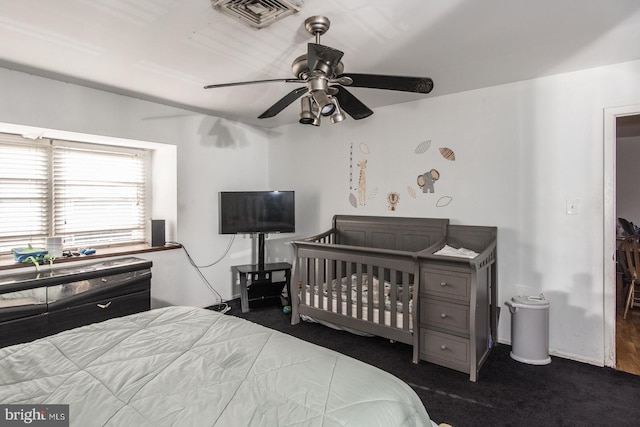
pixel 508 393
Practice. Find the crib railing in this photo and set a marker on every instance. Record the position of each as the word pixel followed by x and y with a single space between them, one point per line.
pixel 328 237
pixel 366 289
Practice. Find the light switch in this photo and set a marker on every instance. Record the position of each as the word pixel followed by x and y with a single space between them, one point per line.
pixel 572 206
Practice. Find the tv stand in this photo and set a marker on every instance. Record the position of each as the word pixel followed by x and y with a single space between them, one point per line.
pixel 261 286
pixel 261 237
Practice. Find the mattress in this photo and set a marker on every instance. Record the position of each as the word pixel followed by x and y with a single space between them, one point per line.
pixel 349 292
pixel 354 313
pixel 343 287
pixel 185 366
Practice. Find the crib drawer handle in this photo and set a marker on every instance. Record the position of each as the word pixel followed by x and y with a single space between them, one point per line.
pixel 443 284
pixel 443 347
pixel 443 315
pixel 104 305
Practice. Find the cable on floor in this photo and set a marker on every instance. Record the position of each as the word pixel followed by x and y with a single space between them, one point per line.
pixel 221 306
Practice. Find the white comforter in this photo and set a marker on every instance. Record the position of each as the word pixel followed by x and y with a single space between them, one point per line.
pixel 182 366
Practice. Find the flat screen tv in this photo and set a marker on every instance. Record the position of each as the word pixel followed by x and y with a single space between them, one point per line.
pixel 257 212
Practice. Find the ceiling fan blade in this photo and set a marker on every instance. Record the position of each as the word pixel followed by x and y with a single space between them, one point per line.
pixel 324 58
pixel 400 83
pixel 283 102
pixel 253 82
pixel 352 105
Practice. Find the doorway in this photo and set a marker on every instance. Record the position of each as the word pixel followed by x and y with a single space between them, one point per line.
pixel 621 149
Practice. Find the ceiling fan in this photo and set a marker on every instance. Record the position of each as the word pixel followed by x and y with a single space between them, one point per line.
pixel 325 94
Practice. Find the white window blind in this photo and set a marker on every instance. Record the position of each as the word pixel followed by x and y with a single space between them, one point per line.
pixel 90 195
pixel 24 200
pixel 98 196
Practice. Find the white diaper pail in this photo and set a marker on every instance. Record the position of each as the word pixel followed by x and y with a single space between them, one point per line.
pixel 530 329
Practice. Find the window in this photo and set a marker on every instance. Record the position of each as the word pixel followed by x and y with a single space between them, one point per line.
pixel 88 194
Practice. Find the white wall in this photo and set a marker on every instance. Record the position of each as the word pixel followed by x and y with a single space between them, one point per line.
pixel 213 154
pixel 522 150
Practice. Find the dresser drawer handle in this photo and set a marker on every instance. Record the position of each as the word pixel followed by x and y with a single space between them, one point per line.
pixel 443 284
pixel 443 315
pixel 104 280
pixel 443 347
pixel 105 305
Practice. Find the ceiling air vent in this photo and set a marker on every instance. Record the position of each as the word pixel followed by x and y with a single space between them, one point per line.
pixel 256 13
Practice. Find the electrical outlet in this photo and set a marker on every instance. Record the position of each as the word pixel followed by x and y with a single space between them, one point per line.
pixel 572 206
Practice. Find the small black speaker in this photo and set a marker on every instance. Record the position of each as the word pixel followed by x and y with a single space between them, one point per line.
pixel 157 232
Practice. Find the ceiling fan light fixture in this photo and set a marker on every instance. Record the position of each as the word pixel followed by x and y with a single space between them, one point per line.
pixel 325 106
pixel 315 110
pixel 338 115
pixel 307 116
pixel 328 110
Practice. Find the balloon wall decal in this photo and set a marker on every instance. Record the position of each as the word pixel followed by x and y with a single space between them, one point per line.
pixel 447 153
pixel 423 147
pixel 393 199
pixel 353 200
pixel 443 201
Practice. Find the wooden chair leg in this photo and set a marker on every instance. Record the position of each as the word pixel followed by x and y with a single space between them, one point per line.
pixel 629 299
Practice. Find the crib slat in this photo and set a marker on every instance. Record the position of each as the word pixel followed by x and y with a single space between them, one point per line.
pixel 370 288
pixel 406 304
pixel 381 296
pixel 393 297
pixel 310 281
pixel 359 290
pixel 303 278
pixel 320 282
pixel 313 280
pixel 329 278
pixel 338 278
pixel 348 275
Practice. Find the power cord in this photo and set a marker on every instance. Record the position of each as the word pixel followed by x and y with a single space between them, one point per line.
pixel 220 306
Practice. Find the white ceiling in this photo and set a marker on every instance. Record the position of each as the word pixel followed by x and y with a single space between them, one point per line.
pixel 167 50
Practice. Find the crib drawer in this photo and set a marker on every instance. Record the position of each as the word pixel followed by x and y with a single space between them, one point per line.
pixel 445 350
pixel 444 315
pixel 446 284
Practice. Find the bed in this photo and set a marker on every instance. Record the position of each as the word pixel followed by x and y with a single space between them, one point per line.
pixel 419 281
pixel 178 366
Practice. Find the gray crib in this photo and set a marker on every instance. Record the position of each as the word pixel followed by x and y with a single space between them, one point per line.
pixel 379 276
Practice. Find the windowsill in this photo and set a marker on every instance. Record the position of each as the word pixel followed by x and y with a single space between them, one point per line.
pixel 7 262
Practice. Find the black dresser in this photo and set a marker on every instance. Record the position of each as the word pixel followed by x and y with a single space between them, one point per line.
pixel 35 304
